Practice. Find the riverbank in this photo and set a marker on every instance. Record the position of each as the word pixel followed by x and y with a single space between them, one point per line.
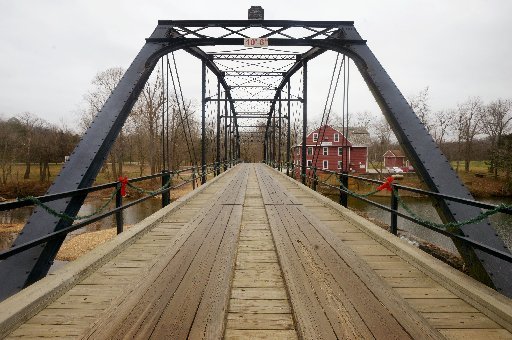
pixel 78 244
pixel 444 255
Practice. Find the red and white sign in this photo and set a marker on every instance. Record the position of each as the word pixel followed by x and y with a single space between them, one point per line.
pixel 256 42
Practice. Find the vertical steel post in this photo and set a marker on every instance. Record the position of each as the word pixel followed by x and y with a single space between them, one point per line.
pixel 193 177
pixel 119 214
pixel 288 146
pixel 166 182
pixel 265 149
pixel 230 142
pixel 343 186
pixel 315 179
pixel 226 131
pixel 217 145
pixel 279 136
pixel 394 207
pixel 304 118
pixel 203 125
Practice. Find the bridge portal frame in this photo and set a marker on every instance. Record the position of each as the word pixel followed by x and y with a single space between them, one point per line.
pixel 86 160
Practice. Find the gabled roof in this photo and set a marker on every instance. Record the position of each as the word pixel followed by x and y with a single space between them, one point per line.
pixel 394 153
pixel 357 136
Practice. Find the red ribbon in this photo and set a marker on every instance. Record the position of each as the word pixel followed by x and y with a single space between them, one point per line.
pixel 386 185
pixel 124 182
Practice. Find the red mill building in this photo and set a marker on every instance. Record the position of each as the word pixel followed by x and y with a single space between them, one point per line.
pixel 328 152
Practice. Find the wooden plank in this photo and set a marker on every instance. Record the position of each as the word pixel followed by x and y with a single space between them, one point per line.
pixel 259 306
pixel 460 320
pixel 254 226
pixel 407 271
pixel 255 334
pixel 355 300
pixel 46 331
pixel 209 318
pixel 259 321
pixel 311 320
pixel 257 256
pixel 259 266
pixel 267 293
pixel 476 334
pixel 257 278
pixel 408 318
pixel 426 293
pixel 410 282
pixel 179 314
pixel 441 305
pixel 371 250
pixel 139 310
pixel 389 267
pixel 258 245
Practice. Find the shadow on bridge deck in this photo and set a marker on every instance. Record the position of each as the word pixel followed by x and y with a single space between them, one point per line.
pixel 253 254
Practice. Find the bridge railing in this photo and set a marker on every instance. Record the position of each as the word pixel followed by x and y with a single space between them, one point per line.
pixel 341 185
pixel 192 176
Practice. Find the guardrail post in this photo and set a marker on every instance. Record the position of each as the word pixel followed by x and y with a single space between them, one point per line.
pixel 394 207
pixel 166 195
pixel 315 179
pixel 343 194
pixel 119 214
pixel 193 177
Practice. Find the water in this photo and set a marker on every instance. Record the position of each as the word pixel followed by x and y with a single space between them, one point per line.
pixel 423 208
pixel 131 215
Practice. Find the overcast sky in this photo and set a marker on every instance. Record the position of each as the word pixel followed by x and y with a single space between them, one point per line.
pixel 50 50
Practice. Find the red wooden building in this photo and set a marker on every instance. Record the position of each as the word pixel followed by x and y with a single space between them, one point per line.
pixel 395 158
pixel 327 148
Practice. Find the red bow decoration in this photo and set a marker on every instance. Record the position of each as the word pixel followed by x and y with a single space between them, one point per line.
pixel 386 185
pixel 124 182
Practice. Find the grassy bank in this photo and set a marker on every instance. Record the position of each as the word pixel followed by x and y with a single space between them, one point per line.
pixel 478 181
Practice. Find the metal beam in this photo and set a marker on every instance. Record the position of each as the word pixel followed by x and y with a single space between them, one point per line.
pixel 203 122
pixel 304 118
pixel 253 23
pixel 80 171
pixel 247 100
pixel 433 168
pixel 288 131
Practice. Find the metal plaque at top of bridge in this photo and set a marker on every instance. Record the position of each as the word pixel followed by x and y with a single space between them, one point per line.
pixel 255 42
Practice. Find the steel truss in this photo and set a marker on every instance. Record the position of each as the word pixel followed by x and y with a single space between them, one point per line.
pixel 86 160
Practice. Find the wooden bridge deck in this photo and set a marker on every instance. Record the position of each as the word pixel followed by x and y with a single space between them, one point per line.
pixel 255 255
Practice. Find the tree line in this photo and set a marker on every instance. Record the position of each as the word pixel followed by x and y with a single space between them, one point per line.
pixel 28 139
pixel 472 130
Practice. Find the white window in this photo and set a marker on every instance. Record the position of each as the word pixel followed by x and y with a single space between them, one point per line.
pixel 310 151
pixel 336 137
pixel 325 165
pixel 310 162
pixel 340 151
pixel 340 164
pixel 315 137
pixel 326 151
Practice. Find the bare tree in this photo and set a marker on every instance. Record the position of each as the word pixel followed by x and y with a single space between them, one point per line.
pixel 29 124
pixel 104 84
pixel 441 126
pixel 8 142
pixel 147 115
pixel 466 126
pixel 496 118
pixel 420 105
